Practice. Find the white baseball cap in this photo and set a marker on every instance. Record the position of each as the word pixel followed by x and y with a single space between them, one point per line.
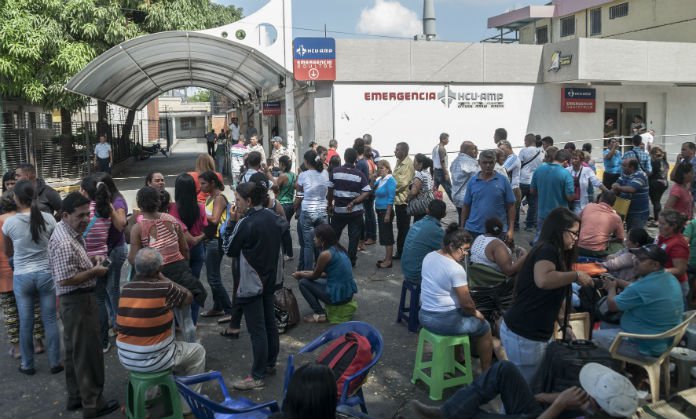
pixel 613 392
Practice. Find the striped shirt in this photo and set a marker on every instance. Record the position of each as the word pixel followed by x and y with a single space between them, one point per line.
pixel 68 257
pixel 144 323
pixel 161 234
pixel 348 183
pixel 97 233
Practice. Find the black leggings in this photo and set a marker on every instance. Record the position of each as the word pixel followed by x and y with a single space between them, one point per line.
pixel 657 188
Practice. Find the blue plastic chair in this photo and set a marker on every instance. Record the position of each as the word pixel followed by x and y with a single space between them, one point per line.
pixel 335 332
pixel 204 408
pixel 589 259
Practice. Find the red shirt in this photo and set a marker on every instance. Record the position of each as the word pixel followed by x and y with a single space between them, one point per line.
pixel 676 247
pixel 685 201
pixel 330 154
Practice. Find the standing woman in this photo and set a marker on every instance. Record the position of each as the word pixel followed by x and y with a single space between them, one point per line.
pixel 680 198
pixel 26 241
pixel 657 181
pixel 216 214
pixel 422 182
pixel 204 163
pixel 162 232
pixel 369 204
pixel 540 290
pixel 284 186
pixel 116 243
pixel 96 243
pixel 312 187
pixel 385 192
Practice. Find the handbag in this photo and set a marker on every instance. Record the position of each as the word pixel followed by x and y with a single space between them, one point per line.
pixel 286 303
pixel 419 205
pixel 621 206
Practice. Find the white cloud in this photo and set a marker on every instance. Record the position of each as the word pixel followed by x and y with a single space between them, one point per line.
pixel 387 17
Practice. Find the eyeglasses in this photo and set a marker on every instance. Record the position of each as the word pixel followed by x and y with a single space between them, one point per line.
pixel 575 234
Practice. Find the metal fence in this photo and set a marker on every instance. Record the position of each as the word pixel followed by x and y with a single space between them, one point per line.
pixel 58 157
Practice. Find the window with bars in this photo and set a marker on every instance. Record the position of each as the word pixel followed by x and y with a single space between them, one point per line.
pixel 620 10
pixel 568 26
pixel 542 35
pixel 595 21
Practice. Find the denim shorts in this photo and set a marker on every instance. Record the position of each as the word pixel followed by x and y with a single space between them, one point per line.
pixel 453 323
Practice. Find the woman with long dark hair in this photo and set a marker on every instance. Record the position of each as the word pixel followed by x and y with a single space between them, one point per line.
pixel 25 238
pixel 8 180
pixel 312 187
pixel 312 393
pixel 216 213
pixel 658 180
pixel 161 231
pixel 284 186
pixel 542 285
pixel 338 287
pixel 191 215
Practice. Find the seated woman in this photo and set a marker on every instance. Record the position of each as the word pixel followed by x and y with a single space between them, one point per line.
pixel 622 264
pixel 671 225
pixel 312 393
pixel 490 251
pixel 338 286
pixel 446 305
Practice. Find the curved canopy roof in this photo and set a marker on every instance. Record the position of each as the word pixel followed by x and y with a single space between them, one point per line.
pixel 135 72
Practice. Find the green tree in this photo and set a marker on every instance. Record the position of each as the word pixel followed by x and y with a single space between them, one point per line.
pixel 201 95
pixel 43 43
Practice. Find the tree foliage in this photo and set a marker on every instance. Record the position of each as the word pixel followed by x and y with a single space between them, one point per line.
pixel 202 95
pixel 43 43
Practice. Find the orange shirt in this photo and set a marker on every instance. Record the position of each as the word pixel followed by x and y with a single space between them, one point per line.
pixel 203 196
pixel 5 270
pixel 598 222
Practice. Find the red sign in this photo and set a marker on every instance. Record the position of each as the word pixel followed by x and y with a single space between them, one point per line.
pixel 314 59
pixel 271 108
pixel 575 99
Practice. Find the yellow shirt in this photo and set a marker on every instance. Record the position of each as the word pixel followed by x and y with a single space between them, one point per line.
pixel 403 174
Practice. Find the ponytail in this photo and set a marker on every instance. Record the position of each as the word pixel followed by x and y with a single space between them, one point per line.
pixel 102 199
pixel 26 195
pixel 314 160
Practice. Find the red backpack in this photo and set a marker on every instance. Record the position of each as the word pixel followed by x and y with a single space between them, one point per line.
pixel 345 356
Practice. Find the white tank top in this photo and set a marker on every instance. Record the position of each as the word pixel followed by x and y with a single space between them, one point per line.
pixel 478 251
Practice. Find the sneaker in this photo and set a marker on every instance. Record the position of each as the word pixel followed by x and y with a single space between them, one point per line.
pixel 248 384
pixel 107 348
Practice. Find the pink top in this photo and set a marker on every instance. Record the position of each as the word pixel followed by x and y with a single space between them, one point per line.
pixel 685 201
pixel 97 233
pixel 197 227
pixel 161 234
pixel 598 222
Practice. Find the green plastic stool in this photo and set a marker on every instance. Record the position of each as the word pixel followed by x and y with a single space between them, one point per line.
pixel 341 314
pixel 138 385
pixel 442 363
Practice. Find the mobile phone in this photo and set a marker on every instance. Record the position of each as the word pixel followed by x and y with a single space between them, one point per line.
pixel 106 262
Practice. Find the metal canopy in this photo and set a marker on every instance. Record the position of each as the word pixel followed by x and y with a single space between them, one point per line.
pixel 135 72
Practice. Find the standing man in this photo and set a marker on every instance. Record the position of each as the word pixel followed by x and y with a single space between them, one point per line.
pixel 251 131
pixel 210 142
pixel 638 153
pixel 499 135
pixel 368 142
pixel 403 174
pixel 333 145
pixel 237 153
pixel 103 157
pixel 234 131
pixel 633 185
pixel 488 194
pixel 276 153
pixel 440 164
pixel 255 146
pixel 688 154
pixel 546 142
pixel 552 184
pixel 349 189
pixel 462 169
pixel 513 167
pixel 612 163
pixel 49 199
pixel 75 275
pixel 531 157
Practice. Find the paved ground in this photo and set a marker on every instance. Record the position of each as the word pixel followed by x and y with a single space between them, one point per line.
pixel 387 390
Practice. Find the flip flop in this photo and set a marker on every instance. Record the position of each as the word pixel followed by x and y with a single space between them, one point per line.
pixel 212 313
pixel 230 335
pixel 379 265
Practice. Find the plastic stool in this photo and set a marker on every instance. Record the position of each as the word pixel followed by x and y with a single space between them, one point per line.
pixel 442 363
pixel 139 383
pixel 342 313
pixel 410 313
pixel 684 359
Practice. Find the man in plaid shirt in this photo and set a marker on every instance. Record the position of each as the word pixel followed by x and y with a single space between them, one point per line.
pixel 75 275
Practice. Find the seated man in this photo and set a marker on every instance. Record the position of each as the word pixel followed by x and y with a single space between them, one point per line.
pixel 145 334
pixel 651 305
pixel 598 223
pixel 602 389
pixel 423 237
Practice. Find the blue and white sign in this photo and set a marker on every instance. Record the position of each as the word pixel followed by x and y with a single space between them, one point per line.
pixel 314 58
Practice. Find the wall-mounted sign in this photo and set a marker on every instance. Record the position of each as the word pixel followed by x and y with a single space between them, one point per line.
pixel 271 108
pixel 314 59
pixel 578 99
pixel 448 96
pixel 558 61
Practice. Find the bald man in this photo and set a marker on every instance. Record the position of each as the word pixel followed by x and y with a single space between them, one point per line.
pixel 461 170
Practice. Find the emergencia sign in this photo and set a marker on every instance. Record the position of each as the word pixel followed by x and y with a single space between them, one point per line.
pixel 314 59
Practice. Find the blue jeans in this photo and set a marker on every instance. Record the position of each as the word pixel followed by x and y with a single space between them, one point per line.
pixel 27 288
pixel 638 220
pixel 530 221
pixel 118 256
pixel 503 379
pixel 526 354
pixel 452 323
pixel 213 258
pixel 605 336
pixel 196 261
pixel 308 221
pixel 370 230
pixel 439 178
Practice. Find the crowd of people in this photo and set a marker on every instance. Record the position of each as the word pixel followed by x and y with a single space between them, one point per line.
pixel 74 249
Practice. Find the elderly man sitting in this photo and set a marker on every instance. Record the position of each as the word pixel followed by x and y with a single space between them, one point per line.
pixel 145 322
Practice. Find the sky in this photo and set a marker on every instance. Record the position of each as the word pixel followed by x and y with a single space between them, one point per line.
pixel 456 20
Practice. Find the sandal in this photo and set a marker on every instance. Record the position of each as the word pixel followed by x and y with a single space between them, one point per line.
pixel 315 318
pixel 212 313
pixel 14 353
pixel 380 266
pixel 369 242
pixel 225 319
pixel 230 335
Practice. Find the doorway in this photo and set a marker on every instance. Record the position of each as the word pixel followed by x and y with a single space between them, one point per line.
pixel 618 117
